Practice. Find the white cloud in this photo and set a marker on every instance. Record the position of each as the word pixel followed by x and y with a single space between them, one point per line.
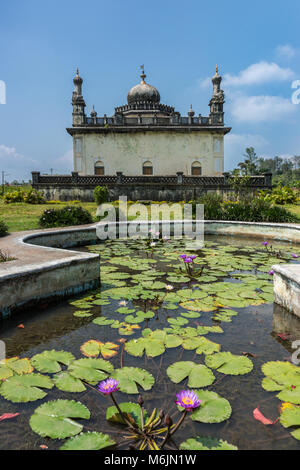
pixel 286 51
pixel 259 73
pixel 15 164
pixel 236 144
pixel 260 108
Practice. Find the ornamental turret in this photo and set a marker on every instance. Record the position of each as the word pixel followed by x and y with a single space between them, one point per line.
pixel 217 101
pixel 78 101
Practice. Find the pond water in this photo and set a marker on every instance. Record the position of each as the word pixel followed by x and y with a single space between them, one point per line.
pixel 228 308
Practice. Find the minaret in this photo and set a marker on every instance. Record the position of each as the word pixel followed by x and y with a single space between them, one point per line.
pixel 78 101
pixel 217 101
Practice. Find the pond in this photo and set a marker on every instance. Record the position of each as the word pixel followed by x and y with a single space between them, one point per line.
pixel 162 325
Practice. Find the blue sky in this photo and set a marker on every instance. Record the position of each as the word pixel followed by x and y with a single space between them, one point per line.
pixel 256 45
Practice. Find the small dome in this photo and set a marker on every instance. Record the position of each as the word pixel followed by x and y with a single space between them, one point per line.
pixel 77 79
pixel 191 112
pixel 143 92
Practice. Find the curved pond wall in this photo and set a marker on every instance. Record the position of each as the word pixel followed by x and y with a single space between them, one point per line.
pixel 46 268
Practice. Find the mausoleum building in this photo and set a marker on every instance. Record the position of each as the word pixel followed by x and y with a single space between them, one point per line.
pixel 146 137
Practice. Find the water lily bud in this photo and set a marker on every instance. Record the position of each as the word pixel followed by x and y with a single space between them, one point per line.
pixel 161 414
pixel 140 400
pixel 168 420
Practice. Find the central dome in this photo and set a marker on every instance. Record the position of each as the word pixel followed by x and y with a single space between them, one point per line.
pixel 143 92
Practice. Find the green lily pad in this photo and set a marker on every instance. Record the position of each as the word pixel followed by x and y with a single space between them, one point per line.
pixel 90 370
pixel 213 408
pixel 229 364
pixel 291 417
pixel 88 441
pixel 49 361
pixel 25 388
pixel 67 383
pixel 131 377
pixel 201 344
pixel 198 375
pixel 55 419
pixel 206 443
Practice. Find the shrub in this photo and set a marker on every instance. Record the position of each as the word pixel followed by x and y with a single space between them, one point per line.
pixel 3 228
pixel 245 210
pixel 101 194
pixel 30 197
pixel 34 197
pixel 69 215
pixel 212 206
pixel 280 195
pixel 14 196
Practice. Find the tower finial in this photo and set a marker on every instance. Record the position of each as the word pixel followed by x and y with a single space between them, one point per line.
pixel 217 69
pixel 143 75
pixel 77 72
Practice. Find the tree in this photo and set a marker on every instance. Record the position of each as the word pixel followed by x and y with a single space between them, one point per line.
pixel 249 165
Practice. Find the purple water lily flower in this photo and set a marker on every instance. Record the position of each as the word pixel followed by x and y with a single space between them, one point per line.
pixel 108 386
pixel 295 256
pixel 265 243
pixel 188 399
pixel 182 256
pixel 193 256
pixel 271 272
pixel 188 260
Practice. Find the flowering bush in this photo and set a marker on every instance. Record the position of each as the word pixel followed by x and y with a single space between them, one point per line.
pixel 30 197
pixel 69 215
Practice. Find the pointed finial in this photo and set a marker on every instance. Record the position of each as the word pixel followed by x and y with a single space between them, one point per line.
pixel 77 72
pixel 93 112
pixel 143 75
pixel 217 69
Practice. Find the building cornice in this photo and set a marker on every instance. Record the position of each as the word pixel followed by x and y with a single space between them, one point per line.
pixel 144 128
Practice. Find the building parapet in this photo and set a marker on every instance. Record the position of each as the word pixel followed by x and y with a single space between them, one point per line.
pixel 213 182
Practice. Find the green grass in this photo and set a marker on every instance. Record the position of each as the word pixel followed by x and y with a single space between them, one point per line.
pixel 294 208
pixel 21 216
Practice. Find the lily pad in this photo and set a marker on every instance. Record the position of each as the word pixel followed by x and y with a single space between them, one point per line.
pixel 229 364
pixel 67 383
pixel 90 370
pixel 49 361
pixel 25 388
pixel 213 408
pixel 93 348
pixel 291 417
pixel 131 377
pixel 198 375
pixel 55 419
pixel 88 441
pixel 206 443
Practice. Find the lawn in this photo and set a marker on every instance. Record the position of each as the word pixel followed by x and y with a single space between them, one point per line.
pixel 21 216
pixel 294 208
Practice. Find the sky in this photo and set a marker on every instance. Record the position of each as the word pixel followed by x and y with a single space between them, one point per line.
pixel 256 45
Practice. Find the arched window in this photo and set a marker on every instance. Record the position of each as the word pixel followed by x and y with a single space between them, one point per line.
pixel 99 168
pixel 196 169
pixel 147 168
